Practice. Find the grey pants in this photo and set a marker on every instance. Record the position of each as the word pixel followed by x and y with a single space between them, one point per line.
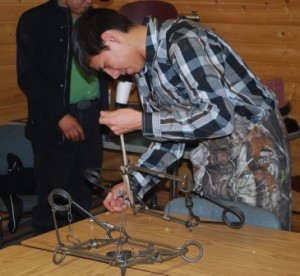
pixel 252 165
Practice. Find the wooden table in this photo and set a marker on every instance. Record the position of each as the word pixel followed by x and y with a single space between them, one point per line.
pixel 245 251
pixel 21 260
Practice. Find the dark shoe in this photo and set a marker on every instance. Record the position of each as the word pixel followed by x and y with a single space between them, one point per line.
pixel 14 207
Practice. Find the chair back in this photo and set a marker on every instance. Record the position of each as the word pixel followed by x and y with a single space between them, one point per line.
pixel 139 10
pixel 203 208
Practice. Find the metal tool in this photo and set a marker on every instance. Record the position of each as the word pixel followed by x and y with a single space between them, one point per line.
pixel 125 175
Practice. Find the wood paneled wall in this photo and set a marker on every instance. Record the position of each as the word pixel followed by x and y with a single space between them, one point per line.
pixel 266 33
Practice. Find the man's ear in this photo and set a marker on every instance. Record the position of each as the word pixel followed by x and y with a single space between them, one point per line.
pixel 109 37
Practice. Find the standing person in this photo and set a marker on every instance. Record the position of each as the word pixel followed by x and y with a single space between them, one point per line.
pixel 193 87
pixel 63 105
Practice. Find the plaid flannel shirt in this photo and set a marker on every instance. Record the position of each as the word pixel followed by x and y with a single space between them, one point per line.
pixel 192 85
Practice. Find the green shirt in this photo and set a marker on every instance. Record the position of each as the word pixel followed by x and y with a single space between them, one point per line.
pixel 83 86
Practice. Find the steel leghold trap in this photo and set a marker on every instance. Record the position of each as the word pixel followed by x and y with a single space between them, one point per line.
pixel 116 248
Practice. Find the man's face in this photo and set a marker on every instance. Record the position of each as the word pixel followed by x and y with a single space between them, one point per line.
pixel 119 59
pixel 77 6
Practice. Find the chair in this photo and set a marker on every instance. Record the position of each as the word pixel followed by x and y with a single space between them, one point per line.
pixel 12 140
pixel 139 10
pixel 205 209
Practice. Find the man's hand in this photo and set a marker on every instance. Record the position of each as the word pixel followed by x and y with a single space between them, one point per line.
pixel 71 128
pixel 114 201
pixel 122 120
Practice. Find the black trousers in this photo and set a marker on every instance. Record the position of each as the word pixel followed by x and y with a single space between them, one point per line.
pixel 62 166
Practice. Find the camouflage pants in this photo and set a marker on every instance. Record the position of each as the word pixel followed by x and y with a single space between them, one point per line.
pixel 252 165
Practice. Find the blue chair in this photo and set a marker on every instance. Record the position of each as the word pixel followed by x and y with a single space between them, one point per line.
pixel 12 140
pixel 205 209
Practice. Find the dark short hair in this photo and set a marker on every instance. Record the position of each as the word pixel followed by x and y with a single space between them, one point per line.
pixel 88 30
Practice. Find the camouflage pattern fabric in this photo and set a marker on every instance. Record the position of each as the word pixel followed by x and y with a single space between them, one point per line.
pixel 252 165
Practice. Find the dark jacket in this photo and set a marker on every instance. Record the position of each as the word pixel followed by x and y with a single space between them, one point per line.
pixel 44 56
